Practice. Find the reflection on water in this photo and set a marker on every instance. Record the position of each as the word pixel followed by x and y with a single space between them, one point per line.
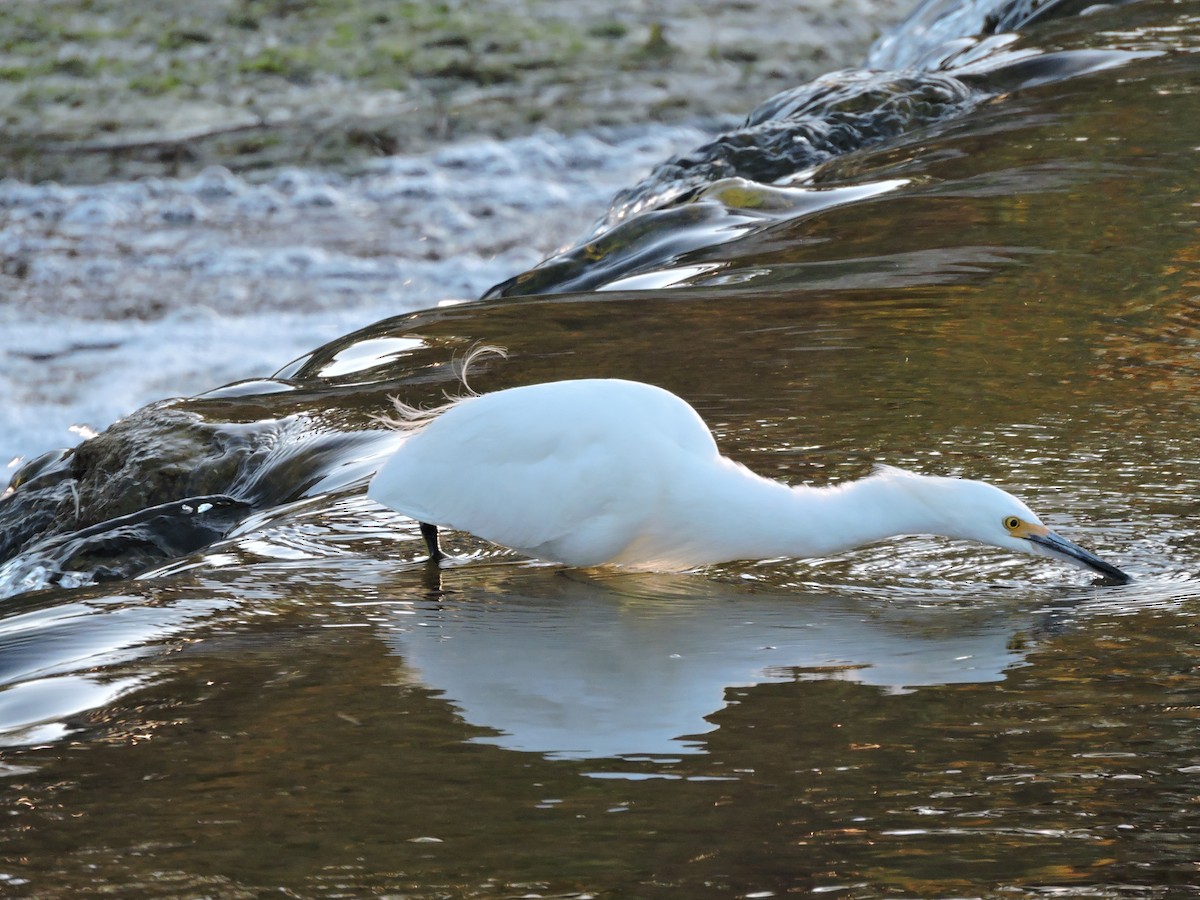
pixel 35 711
pixel 639 664
pixel 304 708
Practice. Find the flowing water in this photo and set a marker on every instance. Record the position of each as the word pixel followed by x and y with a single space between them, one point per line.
pixel 303 708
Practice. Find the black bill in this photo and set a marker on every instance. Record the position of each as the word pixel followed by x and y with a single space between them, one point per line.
pixel 1060 546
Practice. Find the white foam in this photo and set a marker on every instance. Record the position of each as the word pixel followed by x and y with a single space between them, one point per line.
pixel 119 294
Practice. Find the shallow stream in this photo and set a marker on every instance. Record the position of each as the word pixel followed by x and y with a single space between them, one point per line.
pixel 1011 294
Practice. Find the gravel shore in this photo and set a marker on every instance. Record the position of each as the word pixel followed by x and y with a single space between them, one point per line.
pixel 94 90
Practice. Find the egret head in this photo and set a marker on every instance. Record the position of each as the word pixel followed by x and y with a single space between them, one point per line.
pixel 978 511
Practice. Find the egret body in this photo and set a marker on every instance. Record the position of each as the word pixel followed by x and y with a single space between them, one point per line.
pixel 608 472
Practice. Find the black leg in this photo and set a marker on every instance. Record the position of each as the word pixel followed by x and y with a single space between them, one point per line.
pixel 429 532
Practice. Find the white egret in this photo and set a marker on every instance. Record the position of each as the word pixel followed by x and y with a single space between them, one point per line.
pixel 605 472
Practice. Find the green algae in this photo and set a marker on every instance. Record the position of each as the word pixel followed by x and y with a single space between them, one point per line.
pixel 86 86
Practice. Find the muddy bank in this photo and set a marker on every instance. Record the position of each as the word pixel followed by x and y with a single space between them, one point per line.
pixel 91 91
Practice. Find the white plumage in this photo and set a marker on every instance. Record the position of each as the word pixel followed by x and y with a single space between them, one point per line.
pixel 609 472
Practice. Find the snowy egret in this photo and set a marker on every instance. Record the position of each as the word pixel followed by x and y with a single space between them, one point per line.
pixel 608 472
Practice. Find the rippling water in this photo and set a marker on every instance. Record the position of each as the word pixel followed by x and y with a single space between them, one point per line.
pixel 121 293
pixel 1012 295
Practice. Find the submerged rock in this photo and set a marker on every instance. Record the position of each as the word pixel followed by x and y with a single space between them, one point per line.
pixel 124 546
pixel 160 454
pixel 923 37
pixel 158 484
pixel 802 128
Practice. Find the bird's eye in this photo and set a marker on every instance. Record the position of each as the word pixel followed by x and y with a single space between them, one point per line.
pixel 1012 523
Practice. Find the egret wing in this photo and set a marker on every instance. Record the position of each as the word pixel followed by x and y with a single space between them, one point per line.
pixel 566 470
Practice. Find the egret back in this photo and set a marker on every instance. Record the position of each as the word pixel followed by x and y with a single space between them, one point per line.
pixel 568 471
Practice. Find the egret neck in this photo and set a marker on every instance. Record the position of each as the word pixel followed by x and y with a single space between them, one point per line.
pixel 741 515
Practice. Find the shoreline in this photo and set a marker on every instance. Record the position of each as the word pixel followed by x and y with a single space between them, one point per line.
pixel 109 90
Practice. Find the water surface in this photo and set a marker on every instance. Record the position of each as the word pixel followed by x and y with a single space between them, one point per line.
pixel 303 707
